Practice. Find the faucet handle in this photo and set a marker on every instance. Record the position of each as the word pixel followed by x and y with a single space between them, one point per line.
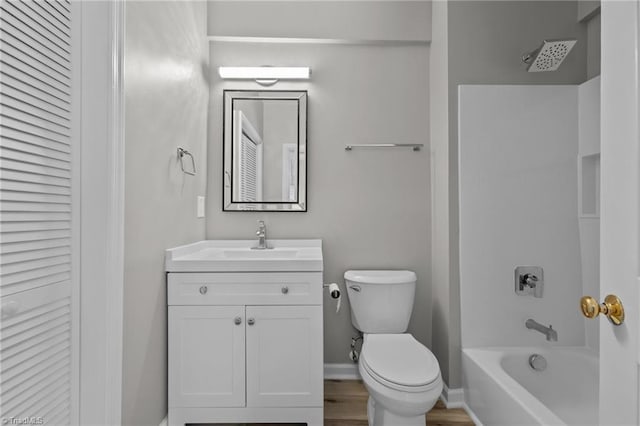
pixel 262 236
pixel 529 280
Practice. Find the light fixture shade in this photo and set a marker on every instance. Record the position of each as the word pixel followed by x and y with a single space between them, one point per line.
pixel 264 73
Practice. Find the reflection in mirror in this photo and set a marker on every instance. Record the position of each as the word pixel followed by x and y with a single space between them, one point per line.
pixel 265 150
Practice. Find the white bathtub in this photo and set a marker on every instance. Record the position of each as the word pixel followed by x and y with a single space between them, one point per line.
pixel 502 389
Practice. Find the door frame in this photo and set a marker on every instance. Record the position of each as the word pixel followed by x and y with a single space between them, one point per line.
pixel 101 212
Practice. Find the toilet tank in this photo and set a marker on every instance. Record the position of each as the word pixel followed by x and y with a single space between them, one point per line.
pixel 381 301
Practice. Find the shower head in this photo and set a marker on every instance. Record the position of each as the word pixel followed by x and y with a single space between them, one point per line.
pixel 548 56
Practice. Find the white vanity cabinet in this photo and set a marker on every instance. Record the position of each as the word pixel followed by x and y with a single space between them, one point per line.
pixel 206 356
pixel 284 356
pixel 245 347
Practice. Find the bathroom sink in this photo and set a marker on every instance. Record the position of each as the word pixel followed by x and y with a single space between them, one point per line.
pixel 238 256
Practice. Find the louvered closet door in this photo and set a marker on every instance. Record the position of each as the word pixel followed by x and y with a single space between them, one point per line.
pixel 248 170
pixel 37 339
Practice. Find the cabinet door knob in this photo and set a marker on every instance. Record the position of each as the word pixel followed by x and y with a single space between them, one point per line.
pixel 237 320
pixel 251 321
pixel 203 289
pixel 285 289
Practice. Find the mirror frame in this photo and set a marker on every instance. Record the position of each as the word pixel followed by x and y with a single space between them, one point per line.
pixel 300 205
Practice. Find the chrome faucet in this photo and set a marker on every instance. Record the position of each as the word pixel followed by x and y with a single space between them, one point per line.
pixel 549 332
pixel 262 236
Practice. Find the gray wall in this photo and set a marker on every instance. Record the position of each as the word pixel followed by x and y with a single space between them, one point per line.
pixel 254 111
pixel 322 19
pixel 589 14
pixel 593 45
pixel 486 40
pixel 443 317
pixel 166 102
pixel 587 9
pixel 280 128
pixel 370 207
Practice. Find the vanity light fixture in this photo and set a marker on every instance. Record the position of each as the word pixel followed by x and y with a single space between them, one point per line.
pixel 265 76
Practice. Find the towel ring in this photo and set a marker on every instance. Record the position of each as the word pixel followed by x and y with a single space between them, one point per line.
pixel 181 153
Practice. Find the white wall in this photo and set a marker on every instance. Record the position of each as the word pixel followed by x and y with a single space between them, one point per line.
pixel 518 198
pixel 166 97
pixel 370 207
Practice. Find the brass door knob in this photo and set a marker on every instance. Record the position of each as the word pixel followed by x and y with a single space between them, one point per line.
pixel 612 308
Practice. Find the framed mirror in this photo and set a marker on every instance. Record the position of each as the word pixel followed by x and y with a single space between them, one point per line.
pixel 265 150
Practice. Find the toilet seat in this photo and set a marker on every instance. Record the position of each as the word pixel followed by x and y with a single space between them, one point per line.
pixel 400 362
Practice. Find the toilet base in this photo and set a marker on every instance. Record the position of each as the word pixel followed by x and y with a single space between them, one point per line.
pixel 377 415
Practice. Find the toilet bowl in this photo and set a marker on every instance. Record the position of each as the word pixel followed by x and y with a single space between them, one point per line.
pixel 401 375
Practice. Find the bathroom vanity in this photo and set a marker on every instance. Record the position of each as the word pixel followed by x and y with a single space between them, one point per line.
pixel 245 332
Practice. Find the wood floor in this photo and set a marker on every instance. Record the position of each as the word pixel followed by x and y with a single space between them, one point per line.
pixel 345 404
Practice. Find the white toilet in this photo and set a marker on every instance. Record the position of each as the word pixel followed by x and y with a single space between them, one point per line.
pixel 402 375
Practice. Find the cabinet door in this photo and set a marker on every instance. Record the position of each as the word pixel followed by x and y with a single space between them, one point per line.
pixel 206 356
pixel 284 356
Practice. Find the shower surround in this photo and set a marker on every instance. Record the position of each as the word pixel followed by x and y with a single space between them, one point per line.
pixel 522 192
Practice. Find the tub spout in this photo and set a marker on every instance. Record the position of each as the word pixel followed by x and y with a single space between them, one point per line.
pixel 549 332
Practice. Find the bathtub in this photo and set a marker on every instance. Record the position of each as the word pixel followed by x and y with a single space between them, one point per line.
pixel 502 389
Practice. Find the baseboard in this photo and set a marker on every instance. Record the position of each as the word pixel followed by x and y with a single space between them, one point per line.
pixel 163 422
pixel 452 398
pixel 471 414
pixel 341 371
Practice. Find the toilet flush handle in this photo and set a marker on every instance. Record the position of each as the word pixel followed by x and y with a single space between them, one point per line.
pixel 355 288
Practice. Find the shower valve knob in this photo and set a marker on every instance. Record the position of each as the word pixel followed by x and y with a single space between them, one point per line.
pixel 528 279
pixel 611 308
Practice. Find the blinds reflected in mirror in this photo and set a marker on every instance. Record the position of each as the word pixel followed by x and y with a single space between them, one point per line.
pixel 248 160
pixel 250 180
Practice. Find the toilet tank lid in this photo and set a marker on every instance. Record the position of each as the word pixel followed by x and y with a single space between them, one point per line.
pixel 380 276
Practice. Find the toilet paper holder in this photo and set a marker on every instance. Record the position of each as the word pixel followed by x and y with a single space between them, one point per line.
pixel 334 293
pixel 334 290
